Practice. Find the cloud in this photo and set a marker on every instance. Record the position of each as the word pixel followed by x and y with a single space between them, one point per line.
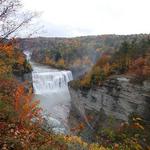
pixel 54 30
pixel 86 17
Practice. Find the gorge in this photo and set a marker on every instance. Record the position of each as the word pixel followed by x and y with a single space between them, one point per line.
pixel 50 86
pixel 117 98
pixel 109 93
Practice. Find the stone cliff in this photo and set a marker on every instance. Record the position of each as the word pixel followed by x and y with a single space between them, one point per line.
pixel 117 98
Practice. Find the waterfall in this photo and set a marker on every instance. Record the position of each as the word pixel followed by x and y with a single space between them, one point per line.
pixel 50 80
pixel 28 55
pixel 51 88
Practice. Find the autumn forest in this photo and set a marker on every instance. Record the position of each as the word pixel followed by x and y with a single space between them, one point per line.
pixel 92 61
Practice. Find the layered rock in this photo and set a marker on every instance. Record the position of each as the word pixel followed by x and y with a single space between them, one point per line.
pixel 117 97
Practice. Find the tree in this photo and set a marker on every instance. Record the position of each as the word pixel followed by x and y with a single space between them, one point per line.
pixel 122 58
pixel 9 20
pixel 141 67
pixel 12 19
pixel 61 63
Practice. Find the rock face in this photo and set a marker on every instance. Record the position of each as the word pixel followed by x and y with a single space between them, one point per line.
pixel 24 77
pixel 117 97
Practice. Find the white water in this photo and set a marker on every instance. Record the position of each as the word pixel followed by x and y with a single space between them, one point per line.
pixel 51 88
pixel 49 80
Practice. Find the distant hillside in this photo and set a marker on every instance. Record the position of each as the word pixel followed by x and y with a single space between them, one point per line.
pixel 78 54
pixel 132 59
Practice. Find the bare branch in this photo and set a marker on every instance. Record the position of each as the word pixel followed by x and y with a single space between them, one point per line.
pixel 24 22
pixel 11 19
pixel 8 7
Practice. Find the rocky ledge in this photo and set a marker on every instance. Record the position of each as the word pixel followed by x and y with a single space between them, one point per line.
pixel 118 97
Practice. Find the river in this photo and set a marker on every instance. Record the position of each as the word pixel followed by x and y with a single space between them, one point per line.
pixel 51 88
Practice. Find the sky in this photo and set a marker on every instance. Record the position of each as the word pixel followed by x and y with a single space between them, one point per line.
pixel 71 18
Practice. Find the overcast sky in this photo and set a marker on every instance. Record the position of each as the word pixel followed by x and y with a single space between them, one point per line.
pixel 69 18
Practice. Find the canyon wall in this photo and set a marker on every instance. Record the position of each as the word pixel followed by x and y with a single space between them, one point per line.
pixel 118 97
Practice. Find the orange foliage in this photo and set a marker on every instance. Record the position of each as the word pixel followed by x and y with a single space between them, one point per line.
pixel 141 67
pixel 7 88
pixel 107 69
pixel 7 49
pixel 103 60
pixel 61 63
pixel 21 59
pixel 11 91
pixel 98 73
pixel 78 128
pixel 14 93
pixel 86 81
pixel 48 61
pixel 8 57
pixel 24 105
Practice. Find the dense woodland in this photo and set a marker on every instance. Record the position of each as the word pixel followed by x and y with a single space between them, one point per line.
pixel 74 52
pixel 131 59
